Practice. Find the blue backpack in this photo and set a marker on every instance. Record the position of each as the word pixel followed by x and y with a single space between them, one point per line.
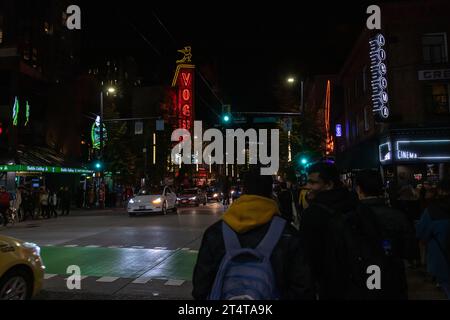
pixel 245 273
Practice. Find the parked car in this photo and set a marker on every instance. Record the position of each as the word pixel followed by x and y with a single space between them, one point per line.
pixel 152 200
pixel 235 192
pixel 21 269
pixel 193 196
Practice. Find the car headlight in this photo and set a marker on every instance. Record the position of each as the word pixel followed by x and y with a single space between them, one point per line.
pixel 156 201
pixel 232 192
pixel 131 201
pixel 178 199
pixel 215 195
pixel 192 198
pixel 33 247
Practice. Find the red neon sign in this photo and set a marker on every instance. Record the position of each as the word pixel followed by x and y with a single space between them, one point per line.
pixel 184 112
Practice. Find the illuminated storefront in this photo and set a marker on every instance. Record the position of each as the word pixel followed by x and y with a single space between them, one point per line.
pixel 419 154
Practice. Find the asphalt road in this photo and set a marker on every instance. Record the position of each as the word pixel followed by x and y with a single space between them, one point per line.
pixel 119 257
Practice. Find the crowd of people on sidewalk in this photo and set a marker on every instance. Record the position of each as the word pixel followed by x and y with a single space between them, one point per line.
pixel 325 240
pixel 34 203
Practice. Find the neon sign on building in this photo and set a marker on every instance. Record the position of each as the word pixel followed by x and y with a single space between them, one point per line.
pixel 183 81
pixel 379 82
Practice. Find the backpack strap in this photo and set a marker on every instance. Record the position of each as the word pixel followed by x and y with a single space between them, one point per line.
pixel 272 236
pixel 230 238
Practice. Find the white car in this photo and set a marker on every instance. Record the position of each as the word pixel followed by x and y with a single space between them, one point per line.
pixel 152 200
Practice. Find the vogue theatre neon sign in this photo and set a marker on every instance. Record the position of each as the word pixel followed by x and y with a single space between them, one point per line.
pixel 379 82
pixel 185 101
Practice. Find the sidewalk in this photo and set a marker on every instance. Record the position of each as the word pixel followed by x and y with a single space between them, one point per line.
pixel 420 286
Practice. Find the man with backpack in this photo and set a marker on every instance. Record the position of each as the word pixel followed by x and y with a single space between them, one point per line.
pixel 434 228
pixel 252 253
pixel 393 231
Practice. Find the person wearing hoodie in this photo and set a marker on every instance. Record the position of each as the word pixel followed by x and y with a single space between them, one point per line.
pixel 434 229
pixel 327 198
pixel 250 217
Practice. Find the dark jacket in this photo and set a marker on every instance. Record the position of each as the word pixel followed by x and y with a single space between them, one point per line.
pixel 285 204
pixel 324 253
pixel 395 227
pixel 434 228
pixel 292 274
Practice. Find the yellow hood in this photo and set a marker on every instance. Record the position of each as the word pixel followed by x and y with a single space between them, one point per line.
pixel 250 211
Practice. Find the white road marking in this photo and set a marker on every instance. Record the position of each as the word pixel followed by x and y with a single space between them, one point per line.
pixel 49 276
pixel 92 246
pixel 142 280
pixel 172 282
pixel 160 248
pixel 185 249
pixel 71 245
pixel 138 247
pixel 107 279
pixel 193 251
pixel 113 247
pixel 81 278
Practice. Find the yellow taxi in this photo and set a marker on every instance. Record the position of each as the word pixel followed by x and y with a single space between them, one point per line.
pixel 21 269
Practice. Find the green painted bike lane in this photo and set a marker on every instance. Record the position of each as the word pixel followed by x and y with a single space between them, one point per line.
pixel 121 262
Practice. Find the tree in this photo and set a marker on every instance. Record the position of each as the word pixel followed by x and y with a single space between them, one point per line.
pixel 117 153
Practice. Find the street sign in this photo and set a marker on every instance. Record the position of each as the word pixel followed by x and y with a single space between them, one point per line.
pixel 138 127
pixel 159 125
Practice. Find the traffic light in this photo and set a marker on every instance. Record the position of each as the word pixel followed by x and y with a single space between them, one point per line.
pixel 226 114
pixel 98 165
pixel 226 118
pixel 304 161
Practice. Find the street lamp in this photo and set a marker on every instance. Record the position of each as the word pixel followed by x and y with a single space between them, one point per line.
pixel 292 80
pixel 110 89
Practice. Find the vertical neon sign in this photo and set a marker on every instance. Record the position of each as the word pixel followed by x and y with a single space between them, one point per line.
pixel 379 82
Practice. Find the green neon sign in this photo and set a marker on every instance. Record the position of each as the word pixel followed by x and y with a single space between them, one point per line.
pixel 27 113
pixel 95 134
pixel 16 112
pixel 44 169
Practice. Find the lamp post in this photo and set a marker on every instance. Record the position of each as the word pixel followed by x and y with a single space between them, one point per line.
pixel 292 80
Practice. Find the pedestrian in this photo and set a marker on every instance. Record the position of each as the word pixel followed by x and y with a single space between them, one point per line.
pixel 285 202
pixel 434 229
pixel 44 202
pixel 395 230
pixel 27 204
pixel 65 201
pixel 53 202
pixel 91 197
pixel 328 201
pixel 17 204
pixel 4 205
pixel 253 222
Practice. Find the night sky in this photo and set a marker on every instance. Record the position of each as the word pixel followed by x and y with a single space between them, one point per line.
pixel 243 49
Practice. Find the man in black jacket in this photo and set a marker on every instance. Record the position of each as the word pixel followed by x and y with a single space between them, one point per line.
pixel 326 252
pixel 397 233
pixel 250 217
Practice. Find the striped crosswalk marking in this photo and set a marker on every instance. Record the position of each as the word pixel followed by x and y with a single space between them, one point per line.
pixel 71 245
pixel 160 248
pixel 107 279
pixel 142 280
pixel 49 276
pixel 172 282
pixel 92 246
pixel 138 247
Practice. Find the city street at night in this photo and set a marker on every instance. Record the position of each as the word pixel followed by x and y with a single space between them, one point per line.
pixel 213 152
pixel 143 257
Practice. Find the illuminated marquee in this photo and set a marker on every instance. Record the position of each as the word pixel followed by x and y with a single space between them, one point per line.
pixel 184 82
pixel 415 150
pixel 379 82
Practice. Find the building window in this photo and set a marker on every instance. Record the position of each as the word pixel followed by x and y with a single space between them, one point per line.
pixel 434 47
pixel 437 98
